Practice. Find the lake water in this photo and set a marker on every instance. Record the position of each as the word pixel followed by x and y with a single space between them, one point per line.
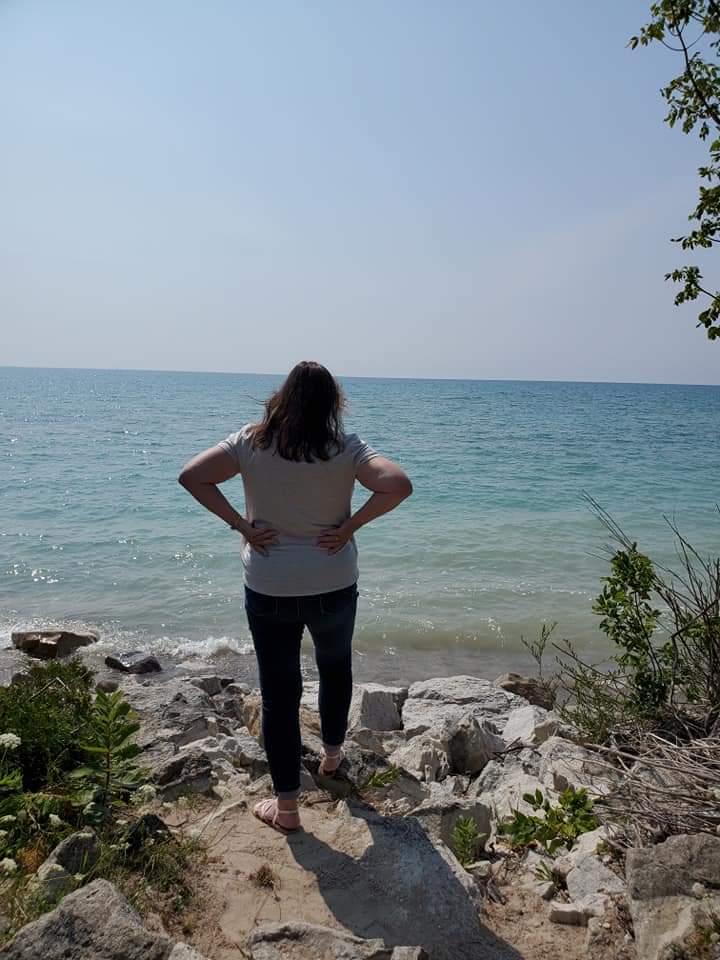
pixel 95 531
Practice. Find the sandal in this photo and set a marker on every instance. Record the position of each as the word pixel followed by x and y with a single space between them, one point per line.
pixel 330 762
pixel 268 812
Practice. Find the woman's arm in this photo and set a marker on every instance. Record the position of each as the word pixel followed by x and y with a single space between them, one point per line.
pixel 201 476
pixel 390 485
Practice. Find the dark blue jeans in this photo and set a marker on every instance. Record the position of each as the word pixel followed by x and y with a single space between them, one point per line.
pixel 276 625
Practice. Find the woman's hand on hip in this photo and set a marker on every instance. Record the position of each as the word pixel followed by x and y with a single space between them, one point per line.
pixel 334 539
pixel 259 538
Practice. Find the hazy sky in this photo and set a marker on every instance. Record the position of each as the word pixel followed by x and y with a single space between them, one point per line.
pixel 396 188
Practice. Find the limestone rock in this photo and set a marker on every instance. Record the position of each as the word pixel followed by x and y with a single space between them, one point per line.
pixel 462 744
pixel 585 846
pixel 528 688
pixel 590 877
pixel 133 661
pixel 212 685
pixel 530 725
pixel 660 882
pixel 51 644
pixel 472 743
pixel 377 707
pixel 370 860
pixel 93 923
pixel 568 913
pixel 106 686
pixel 383 742
pixel 75 854
pixel 439 818
pixel 425 756
pixel 432 703
pixel 181 951
pixel 502 785
pixel 200 728
pixel 578 914
pixel 306 941
pixel 185 774
pixel 353 773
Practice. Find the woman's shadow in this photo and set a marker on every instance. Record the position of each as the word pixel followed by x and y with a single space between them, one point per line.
pixel 399 887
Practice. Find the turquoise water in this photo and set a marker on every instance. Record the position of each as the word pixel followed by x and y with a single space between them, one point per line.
pixel 94 529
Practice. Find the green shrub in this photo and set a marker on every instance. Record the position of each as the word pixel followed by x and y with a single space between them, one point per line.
pixel 47 710
pixel 558 826
pixel 665 629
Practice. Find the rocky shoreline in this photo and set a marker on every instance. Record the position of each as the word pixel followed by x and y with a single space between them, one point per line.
pixel 376 872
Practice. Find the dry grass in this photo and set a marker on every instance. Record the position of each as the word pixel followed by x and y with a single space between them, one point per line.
pixel 265 878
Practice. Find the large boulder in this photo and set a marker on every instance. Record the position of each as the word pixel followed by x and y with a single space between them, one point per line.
pixel 461 744
pixel 589 877
pixel 94 923
pixel 662 890
pixel 51 644
pixel 307 941
pixel 187 773
pixel 424 756
pixel 386 878
pixel 504 780
pixel 530 726
pixel 431 703
pixel 439 818
pixel 377 707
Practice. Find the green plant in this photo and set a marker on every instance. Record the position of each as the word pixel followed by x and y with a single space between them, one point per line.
pixel 110 754
pixel 466 840
pixel 536 649
pixel 630 620
pixel 47 708
pixel 551 827
pixel 382 778
pixel 544 872
pixel 665 627
pixel 691 28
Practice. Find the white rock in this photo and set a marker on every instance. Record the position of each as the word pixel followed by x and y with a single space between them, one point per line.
pixel 578 914
pixel 181 951
pixel 439 817
pixel 530 725
pixel 568 913
pixel 432 703
pixel 590 877
pixel 377 707
pixel 661 882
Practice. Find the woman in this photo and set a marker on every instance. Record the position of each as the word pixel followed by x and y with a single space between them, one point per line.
pixel 298 469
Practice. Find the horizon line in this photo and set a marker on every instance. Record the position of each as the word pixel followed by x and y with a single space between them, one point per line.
pixel 250 373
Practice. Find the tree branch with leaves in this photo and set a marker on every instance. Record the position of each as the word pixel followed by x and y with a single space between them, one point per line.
pixel 691 28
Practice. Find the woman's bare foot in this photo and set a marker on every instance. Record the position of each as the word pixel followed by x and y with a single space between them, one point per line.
pixel 281 815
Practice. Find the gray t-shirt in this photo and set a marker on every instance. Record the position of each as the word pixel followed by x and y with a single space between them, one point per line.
pixel 299 500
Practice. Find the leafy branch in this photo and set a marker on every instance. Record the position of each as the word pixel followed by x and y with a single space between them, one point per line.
pixel 693 98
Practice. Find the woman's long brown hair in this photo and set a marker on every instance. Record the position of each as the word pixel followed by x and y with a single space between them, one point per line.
pixel 304 416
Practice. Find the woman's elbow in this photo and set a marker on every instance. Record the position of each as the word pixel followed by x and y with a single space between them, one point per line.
pixel 405 487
